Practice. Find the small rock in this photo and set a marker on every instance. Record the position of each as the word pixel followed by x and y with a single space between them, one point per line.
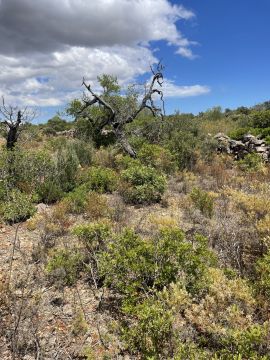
pixel 41 208
pixel 57 301
pixel 67 310
pixel 260 149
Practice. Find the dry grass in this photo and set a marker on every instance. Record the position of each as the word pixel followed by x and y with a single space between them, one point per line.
pixel 38 319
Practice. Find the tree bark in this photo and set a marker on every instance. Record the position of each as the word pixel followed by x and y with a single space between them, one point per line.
pixel 118 122
pixel 12 137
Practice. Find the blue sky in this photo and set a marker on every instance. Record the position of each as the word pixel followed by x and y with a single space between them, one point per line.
pixel 216 52
pixel 233 54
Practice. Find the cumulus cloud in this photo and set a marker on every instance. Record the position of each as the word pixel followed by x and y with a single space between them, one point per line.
pixel 47 45
pixel 172 90
pixel 49 25
pixel 33 81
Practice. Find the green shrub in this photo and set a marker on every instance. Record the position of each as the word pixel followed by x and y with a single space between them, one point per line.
pixel 150 332
pixel 94 238
pixel 99 179
pixel 56 124
pixel 66 168
pixel 17 207
pixel 83 150
pixel 142 272
pixel 250 343
pixel 239 133
pixel 157 157
pixel 123 162
pixel 203 201
pixel 65 265
pixel 183 146
pixel 264 132
pixel 76 200
pixel 251 162
pixel 49 191
pixel 79 326
pixel 142 185
pixel 263 271
pixel 267 140
pixel 190 351
pixel 3 189
pixel 261 119
pixel 96 206
pixel 94 235
pixel 134 266
pixel 26 170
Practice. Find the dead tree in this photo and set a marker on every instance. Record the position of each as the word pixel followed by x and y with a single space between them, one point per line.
pixel 116 120
pixel 13 118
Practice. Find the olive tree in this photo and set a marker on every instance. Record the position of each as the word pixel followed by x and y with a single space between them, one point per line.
pixel 13 118
pixel 114 110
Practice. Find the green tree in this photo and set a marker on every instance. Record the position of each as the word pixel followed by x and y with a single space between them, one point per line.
pixel 111 111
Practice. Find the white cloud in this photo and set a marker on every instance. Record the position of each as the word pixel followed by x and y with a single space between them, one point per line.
pixel 57 77
pixel 47 46
pixel 185 52
pixel 172 90
pixel 48 25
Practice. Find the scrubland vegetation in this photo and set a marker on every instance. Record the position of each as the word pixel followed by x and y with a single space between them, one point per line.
pixel 162 256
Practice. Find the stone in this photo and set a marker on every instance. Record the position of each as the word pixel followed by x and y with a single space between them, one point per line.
pixel 240 149
pixel 41 208
pixel 248 137
pixel 261 149
pixel 221 136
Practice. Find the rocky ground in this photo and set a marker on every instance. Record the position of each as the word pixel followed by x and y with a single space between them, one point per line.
pixel 44 320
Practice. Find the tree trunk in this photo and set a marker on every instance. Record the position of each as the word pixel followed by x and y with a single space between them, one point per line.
pixel 121 138
pixel 12 137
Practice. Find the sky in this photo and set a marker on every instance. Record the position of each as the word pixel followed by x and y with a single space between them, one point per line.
pixel 215 52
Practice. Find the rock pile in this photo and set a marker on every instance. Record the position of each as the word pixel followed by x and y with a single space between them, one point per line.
pixel 248 144
pixel 67 133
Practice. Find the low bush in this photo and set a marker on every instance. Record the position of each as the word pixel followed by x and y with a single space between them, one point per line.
pixel 76 200
pixel 79 326
pixel 220 319
pixel 17 207
pixel 239 133
pixel 96 206
pixel 150 333
pixel 99 179
pixel 251 162
pixel 51 225
pixel 89 203
pixel 157 157
pixel 49 191
pixel 261 119
pixel 93 236
pixel 66 167
pixel 203 201
pixel 183 146
pixel 123 162
pixel 263 273
pixel 142 185
pixel 134 266
pixel 105 157
pixel 83 150
pixel 64 266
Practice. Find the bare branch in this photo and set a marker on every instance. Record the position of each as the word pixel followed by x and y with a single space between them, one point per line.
pixel 99 99
pixel 116 118
pixel 147 101
pixel 13 117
